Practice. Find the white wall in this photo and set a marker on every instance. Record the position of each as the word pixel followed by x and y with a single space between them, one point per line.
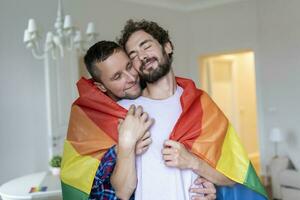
pixel 221 29
pixel 279 63
pixel 270 28
pixel 22 107
pixel 22 103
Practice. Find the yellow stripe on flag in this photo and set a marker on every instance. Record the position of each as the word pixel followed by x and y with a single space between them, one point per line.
pixel 234 160
pixel 78 171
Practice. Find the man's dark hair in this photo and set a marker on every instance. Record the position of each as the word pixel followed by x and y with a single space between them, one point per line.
pixel 99 52
pixel 152 28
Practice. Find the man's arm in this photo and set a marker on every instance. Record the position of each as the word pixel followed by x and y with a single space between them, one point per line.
pixel 132 129
pixel 176 155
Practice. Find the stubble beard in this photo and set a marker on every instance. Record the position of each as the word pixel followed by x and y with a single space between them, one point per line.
pixel 154 75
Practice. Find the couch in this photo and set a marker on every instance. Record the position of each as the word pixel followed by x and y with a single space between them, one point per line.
pixel 289 181
pixel 285 180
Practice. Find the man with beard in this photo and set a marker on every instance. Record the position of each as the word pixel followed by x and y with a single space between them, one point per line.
pixel 173 167
pixel 188 126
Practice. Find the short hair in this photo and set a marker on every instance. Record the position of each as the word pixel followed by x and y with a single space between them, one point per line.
pixel 99 52
pixel 150 27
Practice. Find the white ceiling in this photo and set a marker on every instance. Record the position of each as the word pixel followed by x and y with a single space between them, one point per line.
pixel 182 5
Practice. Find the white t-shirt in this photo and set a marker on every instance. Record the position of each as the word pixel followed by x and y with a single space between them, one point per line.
pixel 155 180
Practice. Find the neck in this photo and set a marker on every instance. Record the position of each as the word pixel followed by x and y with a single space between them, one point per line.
pixel 161 89
pixel 113 97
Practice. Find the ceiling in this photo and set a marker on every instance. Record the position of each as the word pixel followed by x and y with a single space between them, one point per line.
pixel 182 5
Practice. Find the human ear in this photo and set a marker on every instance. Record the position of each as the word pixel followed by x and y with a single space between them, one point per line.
pixel 168 47
pixel 100 86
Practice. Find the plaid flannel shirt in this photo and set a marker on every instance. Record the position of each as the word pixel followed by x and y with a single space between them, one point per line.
pixel 102 189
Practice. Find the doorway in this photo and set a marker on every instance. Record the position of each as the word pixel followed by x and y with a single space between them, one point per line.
pixel 230 80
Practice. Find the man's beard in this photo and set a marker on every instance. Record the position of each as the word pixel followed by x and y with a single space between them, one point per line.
pixel 155 74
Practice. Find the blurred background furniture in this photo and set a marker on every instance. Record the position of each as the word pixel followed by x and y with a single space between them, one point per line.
pixel 285 179
pixel 289 180
pixel 19 188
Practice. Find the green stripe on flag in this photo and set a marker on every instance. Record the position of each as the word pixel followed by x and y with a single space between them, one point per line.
pixel 71 193
pixel 253 182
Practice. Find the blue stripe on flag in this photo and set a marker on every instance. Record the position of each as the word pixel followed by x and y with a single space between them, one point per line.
pixel 237 192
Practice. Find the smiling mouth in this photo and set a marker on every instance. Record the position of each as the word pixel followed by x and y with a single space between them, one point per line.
pixel 133 85
pixel 148 63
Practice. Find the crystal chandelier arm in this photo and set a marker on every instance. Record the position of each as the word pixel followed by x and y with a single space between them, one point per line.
pixel 58 42
pixel 36 55
pixel 64 37
pixel 58 25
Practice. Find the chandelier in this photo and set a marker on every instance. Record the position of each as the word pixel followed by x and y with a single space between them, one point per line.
pixel 65 35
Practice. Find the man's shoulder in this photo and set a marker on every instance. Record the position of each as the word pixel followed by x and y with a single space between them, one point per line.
pixel 124 102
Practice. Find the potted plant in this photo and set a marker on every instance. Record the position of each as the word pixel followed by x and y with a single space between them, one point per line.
pixel 55 163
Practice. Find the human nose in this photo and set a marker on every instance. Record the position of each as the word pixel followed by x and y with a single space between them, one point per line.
pixel 142 55
pixel 129 76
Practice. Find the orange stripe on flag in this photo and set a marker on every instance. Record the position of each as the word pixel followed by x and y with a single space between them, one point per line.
pixel 85 136
pixel 213 131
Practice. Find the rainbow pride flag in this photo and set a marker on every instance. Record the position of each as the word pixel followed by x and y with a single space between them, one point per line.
pixel 38 189
pixel 202 128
